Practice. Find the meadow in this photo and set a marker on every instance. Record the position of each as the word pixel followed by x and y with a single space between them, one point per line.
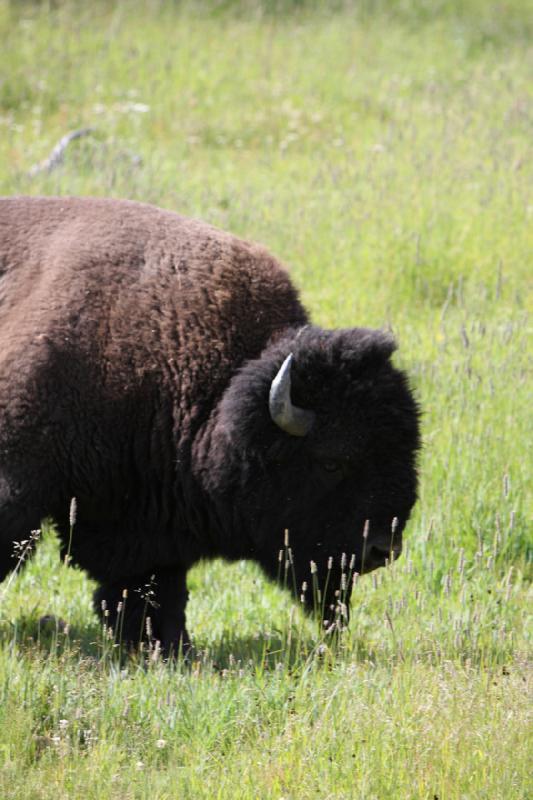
pixel 382 150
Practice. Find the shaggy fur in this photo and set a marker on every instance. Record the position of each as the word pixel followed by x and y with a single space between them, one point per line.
pixel 137 349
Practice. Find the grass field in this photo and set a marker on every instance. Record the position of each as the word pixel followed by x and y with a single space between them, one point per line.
pixel 383 151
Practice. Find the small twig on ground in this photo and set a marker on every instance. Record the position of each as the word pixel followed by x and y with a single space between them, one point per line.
pixel 57 155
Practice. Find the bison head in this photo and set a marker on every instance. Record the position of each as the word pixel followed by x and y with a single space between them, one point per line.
pixel 318 438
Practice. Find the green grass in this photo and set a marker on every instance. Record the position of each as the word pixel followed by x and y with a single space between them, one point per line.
pixel 382 150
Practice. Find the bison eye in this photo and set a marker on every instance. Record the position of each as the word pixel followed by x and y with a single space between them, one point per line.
pixel 330 465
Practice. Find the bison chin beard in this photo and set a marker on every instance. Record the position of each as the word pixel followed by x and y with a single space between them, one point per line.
pixel 327 596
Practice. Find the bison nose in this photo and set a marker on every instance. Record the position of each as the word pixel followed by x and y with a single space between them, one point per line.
pixel 378 555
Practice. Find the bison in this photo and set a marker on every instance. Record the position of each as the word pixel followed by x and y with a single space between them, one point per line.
pixel 166 375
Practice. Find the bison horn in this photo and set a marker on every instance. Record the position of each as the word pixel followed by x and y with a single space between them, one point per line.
pixel 291 419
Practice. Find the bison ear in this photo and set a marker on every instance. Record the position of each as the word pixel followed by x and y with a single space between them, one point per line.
pixel 367 344
pixel 291 419
pixel 385 343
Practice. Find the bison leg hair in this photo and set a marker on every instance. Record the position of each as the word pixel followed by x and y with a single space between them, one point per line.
pixel 160 596
pixel 17 521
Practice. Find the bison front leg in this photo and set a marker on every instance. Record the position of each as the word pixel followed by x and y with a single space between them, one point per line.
pixel 19 517
pixel 147 607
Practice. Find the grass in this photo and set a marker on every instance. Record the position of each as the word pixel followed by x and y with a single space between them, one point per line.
pixel 382 150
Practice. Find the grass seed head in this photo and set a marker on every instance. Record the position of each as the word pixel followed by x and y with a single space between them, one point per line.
pixel 72 512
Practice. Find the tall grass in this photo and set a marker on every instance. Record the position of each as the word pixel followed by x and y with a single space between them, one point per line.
pixel 383 151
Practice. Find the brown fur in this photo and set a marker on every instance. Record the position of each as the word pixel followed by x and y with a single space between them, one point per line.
pixel 109 303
